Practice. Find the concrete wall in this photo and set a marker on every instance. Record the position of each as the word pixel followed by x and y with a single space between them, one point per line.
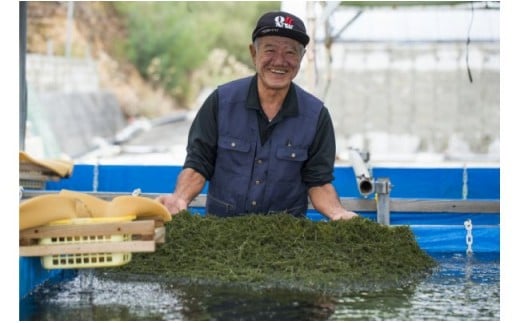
pixel 397 100
pixel 67 110
pixel 412 98
pixel 58 73
pixel 69 123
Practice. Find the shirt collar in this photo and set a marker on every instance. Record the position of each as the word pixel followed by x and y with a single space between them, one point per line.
pixel 289 106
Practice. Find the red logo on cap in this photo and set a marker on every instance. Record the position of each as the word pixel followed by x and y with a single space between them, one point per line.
pixel 284 22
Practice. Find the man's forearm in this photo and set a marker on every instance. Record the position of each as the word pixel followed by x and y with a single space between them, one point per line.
pixel 189 184
pixel 325 200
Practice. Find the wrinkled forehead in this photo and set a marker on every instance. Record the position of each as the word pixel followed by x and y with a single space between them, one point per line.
pixel 278 41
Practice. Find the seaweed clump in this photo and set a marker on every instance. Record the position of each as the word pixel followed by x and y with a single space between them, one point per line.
pixel 282 251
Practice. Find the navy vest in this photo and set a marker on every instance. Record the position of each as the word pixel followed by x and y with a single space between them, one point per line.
pixel 253 178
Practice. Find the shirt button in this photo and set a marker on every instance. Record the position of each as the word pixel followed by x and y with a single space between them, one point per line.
pixel 257 182
pixel 233 144
pixel 259 161
pixel 293 155
pixel 253 203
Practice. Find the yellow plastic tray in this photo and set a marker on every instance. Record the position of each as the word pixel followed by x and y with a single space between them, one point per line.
pixel 86 260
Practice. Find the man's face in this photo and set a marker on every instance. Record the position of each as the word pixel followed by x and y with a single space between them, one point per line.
pixel 277 60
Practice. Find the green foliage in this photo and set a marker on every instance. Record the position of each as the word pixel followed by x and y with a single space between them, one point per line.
pixel 168 41
pixel 281 250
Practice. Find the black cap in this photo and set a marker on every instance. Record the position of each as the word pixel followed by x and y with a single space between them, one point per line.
pixel 281 23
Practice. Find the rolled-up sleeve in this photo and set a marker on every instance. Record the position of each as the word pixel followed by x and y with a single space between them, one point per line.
pixel 202 138
pixel 319 168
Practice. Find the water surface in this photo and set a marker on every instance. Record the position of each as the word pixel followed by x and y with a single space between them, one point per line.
pixel 461 288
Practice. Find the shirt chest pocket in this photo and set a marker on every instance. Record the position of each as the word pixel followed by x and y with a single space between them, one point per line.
pixel 233 156
pixel 288 166
pixel 291 154
pixel 234 144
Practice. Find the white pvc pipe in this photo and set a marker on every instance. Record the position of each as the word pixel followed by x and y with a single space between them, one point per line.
pixel 363 177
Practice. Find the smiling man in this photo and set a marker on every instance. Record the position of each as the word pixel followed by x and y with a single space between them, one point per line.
pixel 264 144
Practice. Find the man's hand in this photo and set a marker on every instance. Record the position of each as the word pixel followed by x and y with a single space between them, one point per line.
pixel 189 185
pixel 326 201
pixel 173 203
pixel 343 215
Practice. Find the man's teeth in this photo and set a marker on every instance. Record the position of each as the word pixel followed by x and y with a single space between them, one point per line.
pixel 278 71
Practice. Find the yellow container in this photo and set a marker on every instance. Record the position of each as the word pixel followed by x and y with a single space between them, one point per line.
pixel 87 260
